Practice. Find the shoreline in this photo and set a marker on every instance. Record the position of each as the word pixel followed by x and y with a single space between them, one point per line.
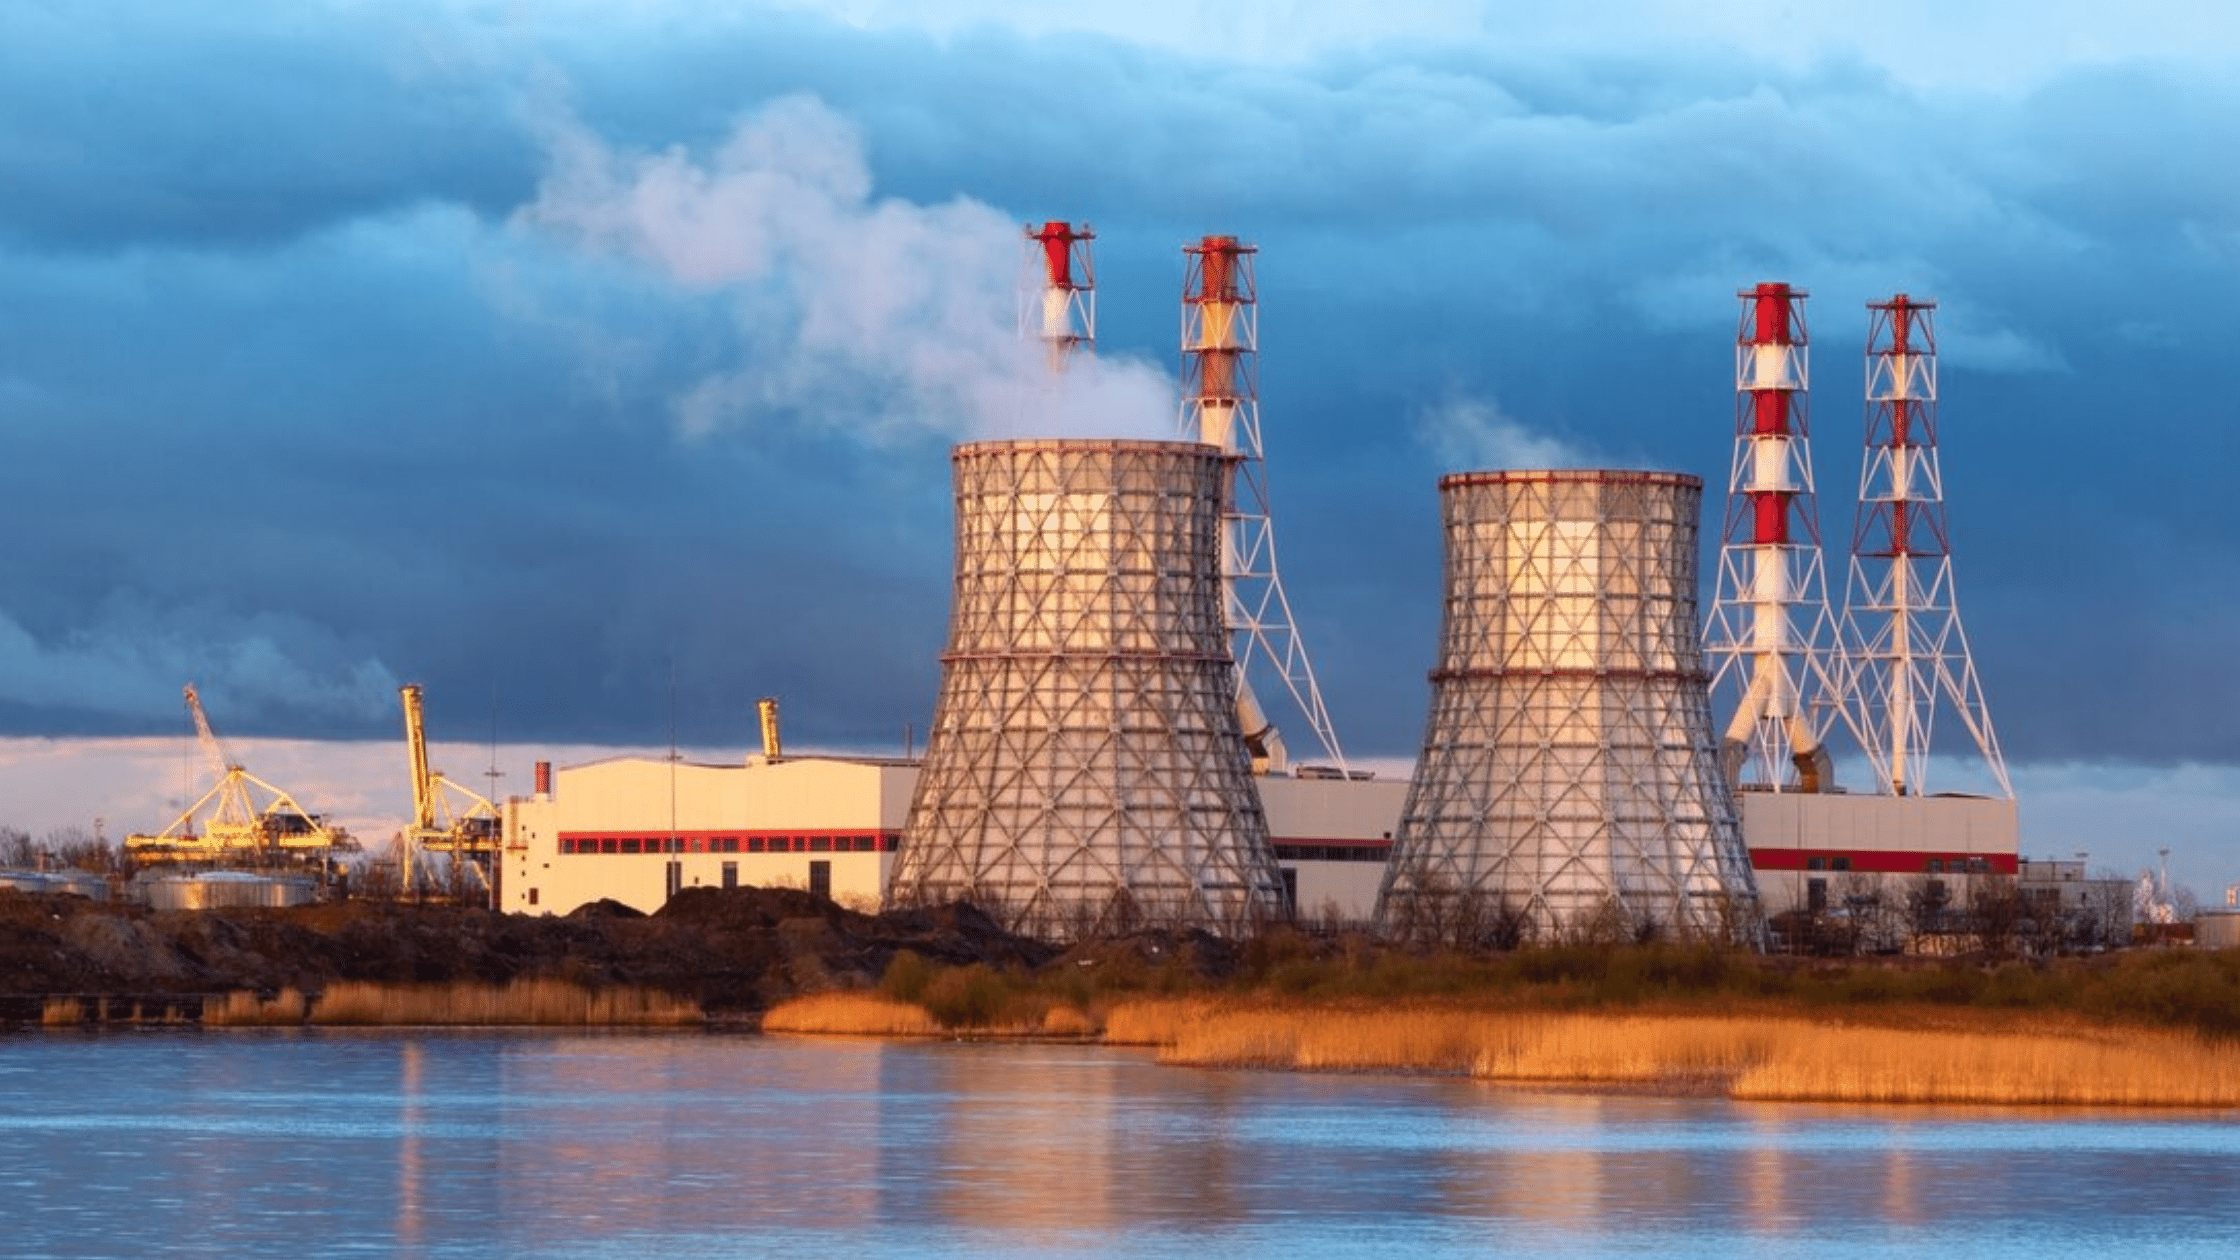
pixel 1992 1059
pixel 1887 1057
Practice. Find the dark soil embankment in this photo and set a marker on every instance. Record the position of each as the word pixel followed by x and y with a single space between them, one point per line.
pixel 734 951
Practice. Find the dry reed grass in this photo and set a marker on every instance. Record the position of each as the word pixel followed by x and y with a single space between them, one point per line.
pixel 850 1014
pixel 1422 1039
pixel 1155 1022
pixel 1622 1048
pixel 1068 1021
pixel 61 1012
pixel 2105 1068
pixel 522 1002
pixel 244 1009
pixel 1760 1058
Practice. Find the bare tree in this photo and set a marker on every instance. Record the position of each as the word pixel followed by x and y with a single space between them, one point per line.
pixel 16 848
pixel 78 848
pixel 1996 914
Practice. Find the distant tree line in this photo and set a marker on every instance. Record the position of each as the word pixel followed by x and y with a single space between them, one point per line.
pixel 70 847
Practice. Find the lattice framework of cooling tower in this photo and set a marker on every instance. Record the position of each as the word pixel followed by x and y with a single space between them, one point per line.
pixel 1085 771
pixel 1569 781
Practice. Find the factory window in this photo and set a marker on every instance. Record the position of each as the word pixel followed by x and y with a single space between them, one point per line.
pixel 754 844
pixel 1839 864
pixel 867 844
pixel 728 844
pixel 1936 866
pixel 610 845
pixel 731 873
pixel 1816 864
pixel 820 844
pixel 631 845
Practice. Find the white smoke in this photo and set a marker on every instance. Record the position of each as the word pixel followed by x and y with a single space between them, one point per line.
pixel 1472 435
pixel 882 317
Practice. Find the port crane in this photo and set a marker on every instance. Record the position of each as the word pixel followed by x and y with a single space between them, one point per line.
pixel 446 818
pixel 241 817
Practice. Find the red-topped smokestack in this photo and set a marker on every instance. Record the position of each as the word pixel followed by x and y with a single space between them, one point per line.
pixel 1221 408
pixel 1909 652
pixel 1058 298
pixel 1770 634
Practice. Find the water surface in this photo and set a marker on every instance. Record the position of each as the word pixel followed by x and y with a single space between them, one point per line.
pixel 291 1143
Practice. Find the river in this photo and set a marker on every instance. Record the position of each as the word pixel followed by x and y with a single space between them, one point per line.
pixel 134 1142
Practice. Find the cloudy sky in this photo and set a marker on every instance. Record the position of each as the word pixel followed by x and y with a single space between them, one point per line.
pixel 594 362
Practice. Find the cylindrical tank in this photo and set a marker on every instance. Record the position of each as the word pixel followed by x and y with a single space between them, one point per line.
pixel 1569 785
pixel 2216 929
pixel 1085 771
pixel 212 890
pixel 79 883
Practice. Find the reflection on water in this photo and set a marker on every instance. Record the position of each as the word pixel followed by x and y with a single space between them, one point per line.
pixel 178 1142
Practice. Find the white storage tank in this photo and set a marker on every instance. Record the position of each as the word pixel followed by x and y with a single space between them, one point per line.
pixel 2216 929
pixel 214 890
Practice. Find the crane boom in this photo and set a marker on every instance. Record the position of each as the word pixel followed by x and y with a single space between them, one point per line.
pixel 416 742
pixel 212 747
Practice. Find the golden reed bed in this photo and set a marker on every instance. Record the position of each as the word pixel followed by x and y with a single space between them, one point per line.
pixel 869 1015
pixel 1769 1058
pixel 457 1004
pixel 1945 1057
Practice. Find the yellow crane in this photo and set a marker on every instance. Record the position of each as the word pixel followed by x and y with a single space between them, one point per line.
pixel 247 818
pixel 446 818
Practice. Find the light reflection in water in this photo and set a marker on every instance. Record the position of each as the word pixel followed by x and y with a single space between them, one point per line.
pixel 524 1144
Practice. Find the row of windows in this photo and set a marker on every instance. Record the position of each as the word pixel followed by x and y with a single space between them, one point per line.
pixel 1332 852
pixel 1960 866
pixel 889 842
pixel 885 842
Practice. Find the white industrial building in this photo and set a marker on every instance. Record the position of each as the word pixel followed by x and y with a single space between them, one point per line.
pixel 1804 845
pixel 637 829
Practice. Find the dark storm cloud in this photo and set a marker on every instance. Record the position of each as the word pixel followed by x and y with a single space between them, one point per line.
pixel 139 122
pixel 356 343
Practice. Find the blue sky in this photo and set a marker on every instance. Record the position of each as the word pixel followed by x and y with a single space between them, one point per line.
pixel 555 351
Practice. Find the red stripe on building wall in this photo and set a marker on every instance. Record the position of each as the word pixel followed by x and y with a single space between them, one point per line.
pixel 726 842
pixel 1883 861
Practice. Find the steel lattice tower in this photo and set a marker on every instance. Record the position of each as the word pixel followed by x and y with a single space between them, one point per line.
pixel 1909 654
pixel 1777 662
pixel 1085 770
pixel 1058 298
pixel 1221 408
pixel 1569 775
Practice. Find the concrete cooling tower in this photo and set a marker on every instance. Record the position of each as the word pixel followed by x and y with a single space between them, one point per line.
pixel 1085 770
pixel 1569 784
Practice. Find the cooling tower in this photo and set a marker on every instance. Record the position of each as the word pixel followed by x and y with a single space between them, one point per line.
pixel 1085 771
pixel 1569 785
